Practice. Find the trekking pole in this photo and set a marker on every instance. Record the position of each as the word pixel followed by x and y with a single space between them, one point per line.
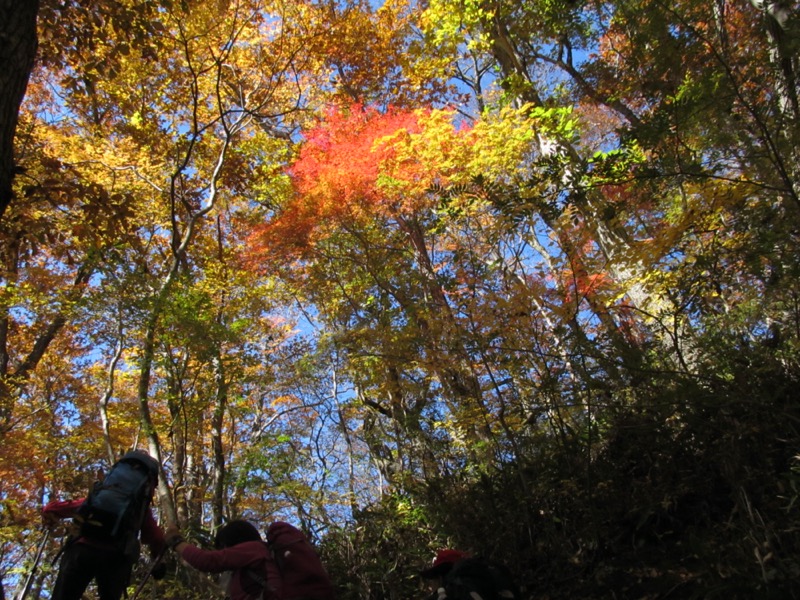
pixel 153 564
pixel 26 588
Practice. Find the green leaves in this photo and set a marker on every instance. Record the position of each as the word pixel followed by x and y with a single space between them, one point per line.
pixel 616 166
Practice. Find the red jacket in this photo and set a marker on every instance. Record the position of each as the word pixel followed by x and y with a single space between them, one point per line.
pixel 151 533
pixel 251 563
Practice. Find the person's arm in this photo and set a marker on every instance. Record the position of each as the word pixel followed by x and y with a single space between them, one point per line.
pixel 152 535
pixel 217 561
pixel 61 509
pixel 214 561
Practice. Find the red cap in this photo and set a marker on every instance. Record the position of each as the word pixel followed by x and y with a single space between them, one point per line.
pixel 444 561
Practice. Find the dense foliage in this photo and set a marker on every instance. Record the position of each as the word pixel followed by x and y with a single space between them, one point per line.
pixel 521 278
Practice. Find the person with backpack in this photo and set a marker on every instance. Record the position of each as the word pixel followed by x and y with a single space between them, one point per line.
pixel 442 564
pixel 459 576
pixel 108 523
pixel 285 567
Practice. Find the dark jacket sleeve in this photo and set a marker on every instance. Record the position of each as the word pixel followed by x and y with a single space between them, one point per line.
pixel 63 509
pixel 242 559
pixel 153 535
pixel 241 556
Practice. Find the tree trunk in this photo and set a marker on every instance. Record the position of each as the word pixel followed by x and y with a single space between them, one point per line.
pixel 18 43
pixel 217 443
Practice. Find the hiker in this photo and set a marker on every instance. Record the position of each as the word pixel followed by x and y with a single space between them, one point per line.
pixel 107 524
pixel 458 576
pixel 442 564
pixel 285 567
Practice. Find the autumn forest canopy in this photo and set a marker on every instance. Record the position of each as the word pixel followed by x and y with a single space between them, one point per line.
pixel 521 278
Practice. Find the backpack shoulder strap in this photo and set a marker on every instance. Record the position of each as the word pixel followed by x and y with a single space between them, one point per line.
pixel 260 578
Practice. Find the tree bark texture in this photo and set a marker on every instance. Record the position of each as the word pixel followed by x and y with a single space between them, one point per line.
pixel 18 43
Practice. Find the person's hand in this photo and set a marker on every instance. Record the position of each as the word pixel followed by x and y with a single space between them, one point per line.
pixel 49 519
pixel 172 536
pixel 159 571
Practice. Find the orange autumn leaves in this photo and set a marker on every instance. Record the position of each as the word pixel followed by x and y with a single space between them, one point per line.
pixel 355 165
pixel 359 165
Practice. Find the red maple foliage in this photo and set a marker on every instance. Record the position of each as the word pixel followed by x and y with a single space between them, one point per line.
pixel 335 177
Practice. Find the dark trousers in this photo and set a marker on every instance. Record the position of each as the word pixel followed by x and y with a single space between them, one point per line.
pixel 81 563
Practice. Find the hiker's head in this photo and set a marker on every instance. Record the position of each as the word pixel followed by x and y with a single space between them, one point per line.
pixel 236 532
pixel 444 561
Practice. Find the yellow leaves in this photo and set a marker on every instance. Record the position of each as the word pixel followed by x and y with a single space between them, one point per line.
pixel 502 143
pixel 286 401
pixel 360 161
pixel 136 119
pixel 497 147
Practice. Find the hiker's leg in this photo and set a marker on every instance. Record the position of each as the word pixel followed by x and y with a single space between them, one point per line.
pixel 74 573
pixel 114 577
